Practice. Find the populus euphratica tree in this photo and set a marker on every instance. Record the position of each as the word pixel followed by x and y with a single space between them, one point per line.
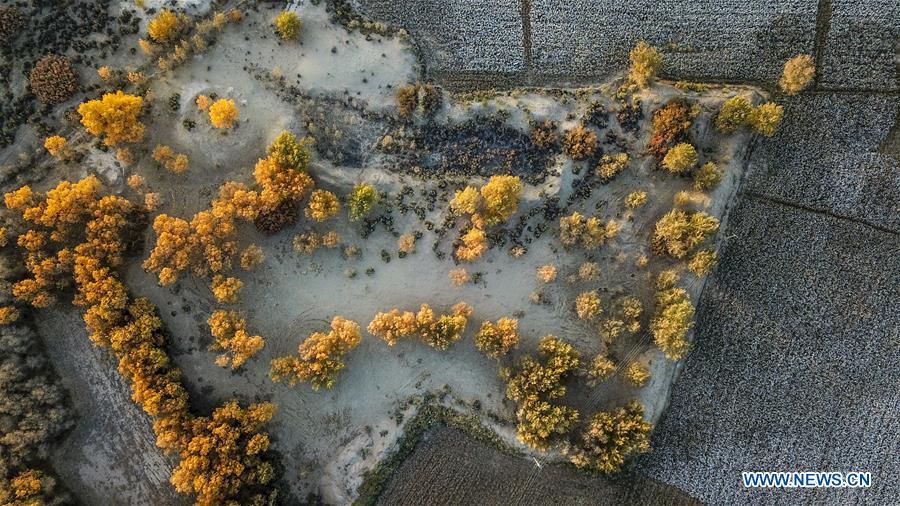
pixel 320 356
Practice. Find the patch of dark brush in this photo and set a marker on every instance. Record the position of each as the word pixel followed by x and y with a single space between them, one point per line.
pixel 480 147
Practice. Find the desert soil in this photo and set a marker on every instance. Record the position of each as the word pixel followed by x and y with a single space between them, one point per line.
pixel 343 83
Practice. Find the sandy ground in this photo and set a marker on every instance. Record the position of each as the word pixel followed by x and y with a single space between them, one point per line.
pixel 328 439
pixel 111 456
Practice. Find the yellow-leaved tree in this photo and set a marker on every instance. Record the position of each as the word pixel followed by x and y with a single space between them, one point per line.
pixel 115 117
pixel 610 438
pixel 229 329
pixel 320 357
pixel 439 332
pixel 495 340
pixel 534 384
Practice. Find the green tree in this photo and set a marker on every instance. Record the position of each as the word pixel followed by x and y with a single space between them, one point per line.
pixel 361 201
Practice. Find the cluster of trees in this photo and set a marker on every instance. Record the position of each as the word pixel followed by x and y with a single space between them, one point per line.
pixel 229 331
pixel 495 202
pixel 590 233
pixel 174 162
pixel 533 384
pixel 35 414
pixel 31 487
pixel 205 245
pixel 438 332
pixel 670 125
pixel 320 357
pixel 610 438
pixel 678 232
pixel 738 112
pixel 674 316
pixel 611 164
pixel 225 460
pixel 208 243
pixel 79 236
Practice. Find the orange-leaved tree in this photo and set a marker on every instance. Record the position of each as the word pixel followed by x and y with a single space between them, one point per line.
pixel 320 357
pixel 115 117
pixel 439 332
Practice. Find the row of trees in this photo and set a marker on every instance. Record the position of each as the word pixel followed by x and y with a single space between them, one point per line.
pixel 436 331
pixel 34 412
pixel 320 356
pixel 175 37
pixel 73 235
pixel 588 232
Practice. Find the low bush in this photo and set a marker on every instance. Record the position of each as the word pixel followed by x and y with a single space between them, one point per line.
pixel 707 177
pixel 53 80
pixel 580 142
